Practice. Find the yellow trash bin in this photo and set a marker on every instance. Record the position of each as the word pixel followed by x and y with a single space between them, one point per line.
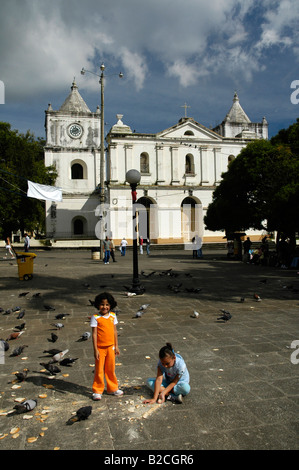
pixel 25 265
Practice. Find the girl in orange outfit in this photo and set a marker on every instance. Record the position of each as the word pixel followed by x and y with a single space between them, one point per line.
pixel 105 346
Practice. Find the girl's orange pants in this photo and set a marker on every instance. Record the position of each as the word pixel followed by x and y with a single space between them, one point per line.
pixel 105 369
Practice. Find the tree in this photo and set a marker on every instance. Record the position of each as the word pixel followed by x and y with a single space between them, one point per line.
pixel 288 137
pixel 21 158
pixel 260 190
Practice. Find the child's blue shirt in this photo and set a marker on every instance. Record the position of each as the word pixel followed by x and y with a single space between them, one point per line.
pixel 179 368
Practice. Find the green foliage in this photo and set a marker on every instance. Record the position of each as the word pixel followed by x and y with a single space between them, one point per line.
pixel 261 187
pixel 288 137
pixel 21 159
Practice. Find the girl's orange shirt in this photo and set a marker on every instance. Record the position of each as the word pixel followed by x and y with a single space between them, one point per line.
pixel 105 330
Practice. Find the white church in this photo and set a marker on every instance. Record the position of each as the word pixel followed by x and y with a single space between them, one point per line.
pixel 179 167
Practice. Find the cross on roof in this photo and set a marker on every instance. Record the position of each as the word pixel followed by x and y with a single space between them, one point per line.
pixel 185 106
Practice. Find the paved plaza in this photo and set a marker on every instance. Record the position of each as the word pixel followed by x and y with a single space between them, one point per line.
pixel 244 372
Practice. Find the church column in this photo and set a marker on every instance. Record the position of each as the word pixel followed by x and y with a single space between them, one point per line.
pixel 128 158
pixel 55 133
pixel 204 165
pixel 96 169
pixel 159 165
pixel 174 165
pixel 114 177
pixel 217 164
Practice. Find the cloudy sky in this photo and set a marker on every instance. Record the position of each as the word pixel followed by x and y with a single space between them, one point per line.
pixel 171 52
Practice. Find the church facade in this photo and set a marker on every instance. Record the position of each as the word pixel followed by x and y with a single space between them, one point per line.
pixel 179 167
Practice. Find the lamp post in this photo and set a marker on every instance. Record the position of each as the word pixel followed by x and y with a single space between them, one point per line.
pixel 133 178
pixel 102 154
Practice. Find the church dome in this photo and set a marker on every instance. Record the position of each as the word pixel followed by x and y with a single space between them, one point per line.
pixel 74 103
pixel 236 112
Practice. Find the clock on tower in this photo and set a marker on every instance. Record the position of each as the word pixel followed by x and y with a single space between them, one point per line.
pixel 75 131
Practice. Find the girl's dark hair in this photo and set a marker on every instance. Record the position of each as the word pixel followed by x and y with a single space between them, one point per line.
pixel 105 296
pixel 166 351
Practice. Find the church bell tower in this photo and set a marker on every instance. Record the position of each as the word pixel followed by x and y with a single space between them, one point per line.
pixel 73 147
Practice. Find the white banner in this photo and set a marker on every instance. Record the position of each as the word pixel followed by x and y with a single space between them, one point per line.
pixel 42 191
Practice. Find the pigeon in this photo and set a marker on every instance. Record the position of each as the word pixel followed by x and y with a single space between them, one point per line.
pixel 54 337
pixel 52 352
pixel 52 368
pixel 7 312
pixel 14 335
pixel 175 288
pixel 5 344
pixel 84 412
pixel 147 275
pixel 130 294
pixel 290 287
pixel 16 309
pixel 58 325
pixel 143 307
pixel 81 414
pixel 195 314
pixel 21 314
pixel 166 273
pixel 226 315
pixel 58 356
pixel 193 289
pixel 49 307
pixel 21 376
pixel 138 314
pixel 20 327
pixel 61 316
pixel 172 274
pixel 23 294
pixel 68 361
pixel 17 351
pixel 85 336
pixel 36 295
pixel 27 405
pixel 257 297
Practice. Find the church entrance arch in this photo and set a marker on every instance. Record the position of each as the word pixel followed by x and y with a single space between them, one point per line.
pixel 191 218
pixel 79 226
pixel 147 218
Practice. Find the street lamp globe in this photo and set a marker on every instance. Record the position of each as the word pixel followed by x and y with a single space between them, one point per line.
pixel 133 176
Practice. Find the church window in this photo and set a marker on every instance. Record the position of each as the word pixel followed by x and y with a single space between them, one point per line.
pixel 189 164
pixel 78 227
pixel 189 133
pixel 230 159
pixel 77 171
pixel 144 163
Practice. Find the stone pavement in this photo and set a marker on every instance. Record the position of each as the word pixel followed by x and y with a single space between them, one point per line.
pixel 244 373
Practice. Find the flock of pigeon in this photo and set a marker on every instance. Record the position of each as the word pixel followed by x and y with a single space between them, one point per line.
pixel 57 360
pixel 52 366
pixel 58 357
pixel 179 287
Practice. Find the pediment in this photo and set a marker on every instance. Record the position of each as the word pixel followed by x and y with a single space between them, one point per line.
pixel 189 129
